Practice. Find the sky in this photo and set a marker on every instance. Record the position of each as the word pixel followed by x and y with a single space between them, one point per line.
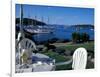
pixel 57 15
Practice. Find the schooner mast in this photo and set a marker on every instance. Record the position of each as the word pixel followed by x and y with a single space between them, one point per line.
pixel 21 21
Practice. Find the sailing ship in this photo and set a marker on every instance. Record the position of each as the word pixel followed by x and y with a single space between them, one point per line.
pixel 36 29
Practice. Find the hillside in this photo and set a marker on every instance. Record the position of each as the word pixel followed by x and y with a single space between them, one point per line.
pixel 27 21
pixel 84 26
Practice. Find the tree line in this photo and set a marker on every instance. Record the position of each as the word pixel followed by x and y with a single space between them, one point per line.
pixel 80 37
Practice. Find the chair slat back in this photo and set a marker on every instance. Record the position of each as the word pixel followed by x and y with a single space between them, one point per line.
pixel 79 58
pixel 27 44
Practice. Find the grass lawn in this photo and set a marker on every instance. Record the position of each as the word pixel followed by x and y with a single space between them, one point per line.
pixel 89 46
pixel 56 56
pixel 72 47
pixel 89 65
pixel 64 67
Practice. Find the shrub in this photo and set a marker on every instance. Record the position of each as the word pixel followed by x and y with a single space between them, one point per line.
pixel 85 37
pixel 80 37
pixel 75 37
